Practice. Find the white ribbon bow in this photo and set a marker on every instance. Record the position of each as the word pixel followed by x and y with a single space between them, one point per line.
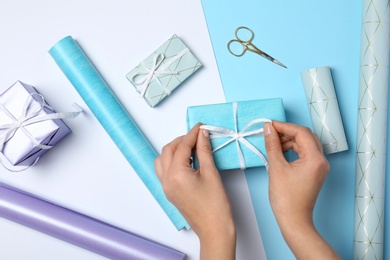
pixel 144 79
pixel 30 115
pixel 239 137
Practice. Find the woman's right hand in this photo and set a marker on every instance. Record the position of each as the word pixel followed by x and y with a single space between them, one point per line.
pixel 294 187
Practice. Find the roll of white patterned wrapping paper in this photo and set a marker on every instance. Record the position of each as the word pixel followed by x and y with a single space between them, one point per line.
pixel 371 130
pixel 324 109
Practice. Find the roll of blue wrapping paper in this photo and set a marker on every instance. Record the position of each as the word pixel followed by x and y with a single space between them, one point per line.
pixel 114 118
pixel 371 135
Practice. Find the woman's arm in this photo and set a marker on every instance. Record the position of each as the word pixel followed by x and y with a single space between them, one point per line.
pixel 294 187
pixel 198 194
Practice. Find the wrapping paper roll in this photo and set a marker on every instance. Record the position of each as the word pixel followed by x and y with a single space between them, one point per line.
pixel 114 118
pixel 78 229
pixel 371 130
pixel 324 109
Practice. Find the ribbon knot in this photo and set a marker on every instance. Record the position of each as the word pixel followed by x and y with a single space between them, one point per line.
pixel 142 81
pixel 238 137
pixel 17 124
pixel 30 115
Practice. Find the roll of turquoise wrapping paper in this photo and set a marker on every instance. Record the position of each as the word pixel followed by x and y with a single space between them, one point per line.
pixel 114 119
pixel 324 109
pixel 371 130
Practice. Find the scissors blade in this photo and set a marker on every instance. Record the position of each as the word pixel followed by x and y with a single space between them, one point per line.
pixel 279 63
pixel 265 55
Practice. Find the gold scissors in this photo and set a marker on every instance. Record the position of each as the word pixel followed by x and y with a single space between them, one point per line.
pixel 243 44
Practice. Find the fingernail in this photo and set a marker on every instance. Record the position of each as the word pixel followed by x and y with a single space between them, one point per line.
pixel 267 129
pixel 205 133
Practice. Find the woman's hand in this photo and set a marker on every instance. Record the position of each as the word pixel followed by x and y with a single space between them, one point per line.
pixel 198 193
pixel 294 187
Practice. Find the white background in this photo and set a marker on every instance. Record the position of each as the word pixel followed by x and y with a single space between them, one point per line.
pixel 85 172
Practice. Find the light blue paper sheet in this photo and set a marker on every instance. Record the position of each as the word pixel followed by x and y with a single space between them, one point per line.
pixel 300 34
pixel 114 118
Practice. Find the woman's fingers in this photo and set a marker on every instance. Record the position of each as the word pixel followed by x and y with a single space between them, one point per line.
pixel 305 141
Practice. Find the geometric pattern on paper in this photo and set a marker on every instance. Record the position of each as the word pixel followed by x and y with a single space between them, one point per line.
pixel 371 130
pixel 324 109
pixel 182 72
pixel 184 67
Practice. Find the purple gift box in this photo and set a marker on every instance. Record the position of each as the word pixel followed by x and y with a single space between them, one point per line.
pixel 22 139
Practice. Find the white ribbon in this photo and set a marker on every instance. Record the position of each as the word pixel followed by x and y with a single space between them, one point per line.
pixel 239 137
pixel 144 79
pixel 30 115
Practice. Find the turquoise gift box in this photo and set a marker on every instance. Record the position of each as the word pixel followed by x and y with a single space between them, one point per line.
pixel 163 71
pixel 237 128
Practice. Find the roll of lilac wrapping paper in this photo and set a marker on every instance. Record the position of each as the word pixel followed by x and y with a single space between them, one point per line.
pixel 114 119
pixel 78 229
pixel 371 130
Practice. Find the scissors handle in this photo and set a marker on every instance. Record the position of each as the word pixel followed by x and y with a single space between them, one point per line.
pixel 236 53
pixel 244 42
pixel 244 39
